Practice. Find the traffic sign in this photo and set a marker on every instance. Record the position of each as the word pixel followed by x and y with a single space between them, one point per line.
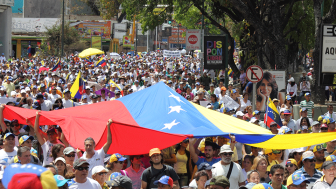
pixel 254 73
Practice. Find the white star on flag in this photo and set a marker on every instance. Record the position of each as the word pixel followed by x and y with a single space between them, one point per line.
pixel 170 125
pixel 175 109
pixel 176 97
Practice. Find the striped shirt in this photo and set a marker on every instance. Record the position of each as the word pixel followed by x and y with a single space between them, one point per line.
pixel 309 105
pixel 317 175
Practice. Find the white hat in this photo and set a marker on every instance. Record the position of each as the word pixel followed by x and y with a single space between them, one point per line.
pixel 253 119
pixel 239 113
pixel 310 68
pixel 98 169
pixel 60 159
pixel 291 79
pixel 225 148
pixel 13 93
pixel 27 89
pixel 23 91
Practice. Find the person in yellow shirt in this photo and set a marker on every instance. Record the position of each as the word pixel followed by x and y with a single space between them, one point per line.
pixel 9 85
pixel 272 156
pixel 319 155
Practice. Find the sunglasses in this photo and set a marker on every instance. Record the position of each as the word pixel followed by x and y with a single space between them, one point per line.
pixel 324 129
pixel 311 160
pixel 227 154
pixel 82 168
pixel 16 125
pixel 138 157
pixel 273 125
pixel 103 173
pixel 289 165
pixel 68 155
pixel 120 162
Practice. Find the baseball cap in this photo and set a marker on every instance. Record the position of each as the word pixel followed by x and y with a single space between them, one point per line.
pixel 66 90
pixel 323 125
pixel 320 118
pixel 223 88
pixel 68 150
pixel 292 161
pixel 239 113
pixel 320 147
pixel 225 148
pixel 165 180
pixel 36 104
pixel 286 112
pixel 24 138
pixel 233 91
pixel 331 158
pixel 307 94
pixel 262 186
pixel 327 164
pixel 303 109
pixel 7 135
pixel 315 123
pixel 28 176
pixel 304 127
pixel 268 151
pixel 220 181
pixel 117 157
pixel 98 169
pixel 51 129
pixel 307 155
pixel 122 181
pixel 326 120
pixel 80 162
pixel 256 112
pixel 114 175
pixel 204 166
pixel 288 98
pixel 154 151
pixel 60 180
pixel 60 159
pixel 296 178
pixel 275 100
pixel 331 120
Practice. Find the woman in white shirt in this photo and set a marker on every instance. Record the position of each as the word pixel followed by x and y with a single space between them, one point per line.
pixel 244 102
pixel 292 89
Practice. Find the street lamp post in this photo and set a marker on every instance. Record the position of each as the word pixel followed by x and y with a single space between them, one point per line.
pixel 62 48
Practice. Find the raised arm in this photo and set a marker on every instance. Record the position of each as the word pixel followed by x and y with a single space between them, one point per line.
pixel 3 125
pixel 193 154
pixel 40 139
pixel 109 136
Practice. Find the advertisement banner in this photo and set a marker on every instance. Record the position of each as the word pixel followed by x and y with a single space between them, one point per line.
pixel 32 24
pixel 96 42
pixel 87 29
pixel 193 41
pixel 273 85
pixel 173 39
pixel 176 30
pixel 127 41
pixel 171 54
pixel 215 52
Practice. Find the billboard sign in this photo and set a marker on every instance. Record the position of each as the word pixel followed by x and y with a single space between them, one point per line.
pixel 96 42
pixel 87 29
pixel 193 40
pixel 215 52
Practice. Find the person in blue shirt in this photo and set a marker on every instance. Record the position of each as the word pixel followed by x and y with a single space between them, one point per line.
pixel 209 153
pixel 214 104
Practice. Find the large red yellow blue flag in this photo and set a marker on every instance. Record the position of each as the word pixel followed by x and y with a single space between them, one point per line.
pixel 272 114
pixel 101 62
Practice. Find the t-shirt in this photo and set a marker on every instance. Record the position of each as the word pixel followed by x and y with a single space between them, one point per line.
pixel 202 159
pixel 7 156
pixel 135 176
pixel 68 103
pixel 167 152
pixel 47 157
pixel 166 170
pixel 309 106
pixel 236 176
pixel 89 184
pixel 97 159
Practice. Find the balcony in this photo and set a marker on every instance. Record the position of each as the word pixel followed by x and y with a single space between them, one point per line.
pixel 7 3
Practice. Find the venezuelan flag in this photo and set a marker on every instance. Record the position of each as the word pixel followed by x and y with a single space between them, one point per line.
pixel 57 66
pixel 101 62
pixel 272 114
pixel 78 88
pixel 230 73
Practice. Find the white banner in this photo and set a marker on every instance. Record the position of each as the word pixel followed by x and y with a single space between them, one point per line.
pixel 32 24
pixel 171 54
pixel 229 102
pixel 4 100
pixel 193 41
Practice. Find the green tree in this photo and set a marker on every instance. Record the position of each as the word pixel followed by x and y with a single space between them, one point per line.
pixel 51 44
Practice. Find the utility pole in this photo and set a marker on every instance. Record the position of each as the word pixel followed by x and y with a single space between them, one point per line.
pixel 62 49
pixel 178 36
pixel 136 38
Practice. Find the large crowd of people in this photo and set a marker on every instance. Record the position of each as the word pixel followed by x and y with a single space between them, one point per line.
pixel 212 162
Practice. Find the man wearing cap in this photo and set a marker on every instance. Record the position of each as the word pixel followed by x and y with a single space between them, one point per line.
pixel 220 182
pixel 26 141
pixel 81 180
pixel 308 168
pixel 290 122
pixel 165 182
pixel 157 170
pixel 316 127
pixel 136 87
pixel 327 181
pixel 99 174
pixel 297 180
pixel 308 104
pixel 8 152
pixel 304 88
pixel 228 168
pixel 88 94
pixel 67 102
pixel 45 104
pixel 46 145
pixel 319 154
pixel 9 85
pixel 53 96
pixel 203 166
pixel 96 157
pixel 120 182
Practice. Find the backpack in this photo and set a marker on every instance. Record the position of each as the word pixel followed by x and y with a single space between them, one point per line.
pixel 153 177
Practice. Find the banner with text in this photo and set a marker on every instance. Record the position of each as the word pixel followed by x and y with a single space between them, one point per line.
pixel 215 52
pixel 171 54
pixel 96 42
